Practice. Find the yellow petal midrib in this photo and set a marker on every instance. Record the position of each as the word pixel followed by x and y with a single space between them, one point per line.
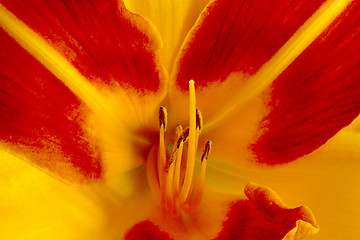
pixel 297 44
pixel 53 61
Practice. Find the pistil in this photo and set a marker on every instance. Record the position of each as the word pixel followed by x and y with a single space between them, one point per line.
pixel 190 164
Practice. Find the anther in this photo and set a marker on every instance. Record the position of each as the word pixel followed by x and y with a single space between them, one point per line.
pixel 206 151
pixel 163 117
pixel 183 138
pixel 199 120
pixel 199 125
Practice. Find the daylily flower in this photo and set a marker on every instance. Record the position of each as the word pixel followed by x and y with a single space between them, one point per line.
pixel 109 108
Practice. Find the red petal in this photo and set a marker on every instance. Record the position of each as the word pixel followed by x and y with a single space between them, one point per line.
pixel 227 216
pixel 105 42
pixel 316 96
pixel 239 36
pixel 264 217
pixel 146 230
pixel 41 118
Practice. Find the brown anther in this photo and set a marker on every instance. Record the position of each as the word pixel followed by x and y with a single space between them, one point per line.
pixel 163 117
pixel 199 120
pixel 206 151
pixel 183 138
pixel 169 162
pixel 185 135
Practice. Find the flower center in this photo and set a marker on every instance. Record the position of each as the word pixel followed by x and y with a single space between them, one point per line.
pixel 170 174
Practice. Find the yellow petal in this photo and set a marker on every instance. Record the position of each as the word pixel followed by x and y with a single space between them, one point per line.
pixel 173 19
pixel 34 205
pixel 326 180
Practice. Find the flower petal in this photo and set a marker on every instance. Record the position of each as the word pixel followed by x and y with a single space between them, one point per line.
pixel 266 217
pixel 238 36
pixel 232 217
pixel 105 42
pixel 287 91
pixel 173 19
pixel 42 119
pixel 35 205
pixel 146 230
pixel 316 96
pixel 124 72
pixel 326 180
pixel 117 80
pixel 236 50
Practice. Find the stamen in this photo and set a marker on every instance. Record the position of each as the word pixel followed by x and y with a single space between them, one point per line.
pixel 163 117
pixel 199 125
pixel 200 186
pixel 173 186
pixel 185 135
pixel 169 201
pixel 206 151
pixel 169 186
pixel 162 152
pixel 190 165
pixel 152 176
pixel 199 120
pixel 180 145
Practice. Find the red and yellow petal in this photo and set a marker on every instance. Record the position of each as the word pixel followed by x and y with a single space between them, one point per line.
pixel 223 216
pixel 238 37
pixel 41 119
pixel 264 216
pixel 273 87
pixel 105 42
pixel 94 88
pixel 309 109
pixel 326 180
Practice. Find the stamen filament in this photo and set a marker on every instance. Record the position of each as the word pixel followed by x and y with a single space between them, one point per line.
pixel 200 186
pixel 162 153
pixel 177 179
pixel 180 145
pixel 152 176
pixel 170 168
pixel 169 186
pixel 190 164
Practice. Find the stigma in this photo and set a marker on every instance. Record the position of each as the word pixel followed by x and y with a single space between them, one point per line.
pixel 171 172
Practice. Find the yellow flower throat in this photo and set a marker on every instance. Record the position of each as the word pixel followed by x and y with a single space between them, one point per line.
pixel 172 180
